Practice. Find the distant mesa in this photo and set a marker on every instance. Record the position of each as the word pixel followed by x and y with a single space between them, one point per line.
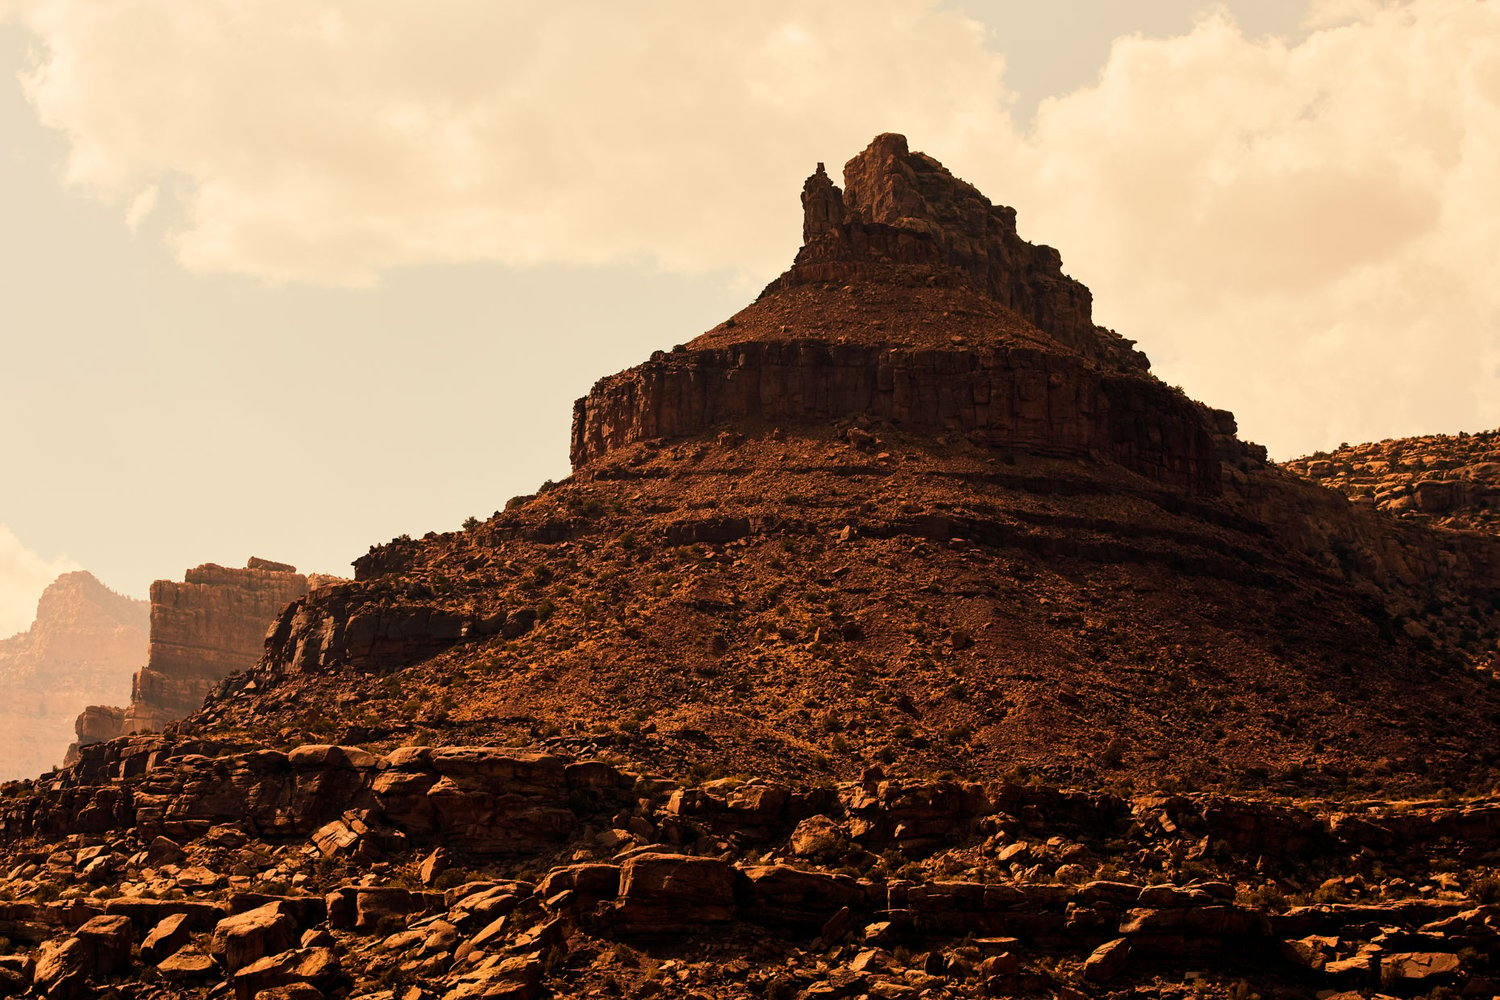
pixel 84 643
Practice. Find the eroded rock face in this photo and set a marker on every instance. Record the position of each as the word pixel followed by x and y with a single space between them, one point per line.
pixel 1054 404
pixel 203 628
pixel 914 301
pixel 85 642
pixel 906 208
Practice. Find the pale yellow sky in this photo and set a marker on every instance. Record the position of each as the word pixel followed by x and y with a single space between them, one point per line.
pixel 289 279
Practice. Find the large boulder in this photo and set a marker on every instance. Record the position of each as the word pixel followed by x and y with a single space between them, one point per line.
pixel 318 967
pixel 665 894
pixel 63 969
pixel 165 939
pixel 108 939
pixel 246 937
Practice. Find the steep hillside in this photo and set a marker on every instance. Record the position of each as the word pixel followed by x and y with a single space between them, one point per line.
pixel 82 647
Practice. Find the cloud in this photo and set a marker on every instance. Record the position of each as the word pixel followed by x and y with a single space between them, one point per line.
pixel 1304 232
pixel 1308 234
pixel 23 577
pixel 141 207
pixel 313 143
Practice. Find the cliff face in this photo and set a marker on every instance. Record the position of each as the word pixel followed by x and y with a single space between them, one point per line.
pixel 1013 397
pixel 203 628
pixel 85 641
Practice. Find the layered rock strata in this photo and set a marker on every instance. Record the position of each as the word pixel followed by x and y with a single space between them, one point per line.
pixel 1053 404
pixel 203 628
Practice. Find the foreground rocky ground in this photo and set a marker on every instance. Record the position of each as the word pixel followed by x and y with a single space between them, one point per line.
pixel 194 869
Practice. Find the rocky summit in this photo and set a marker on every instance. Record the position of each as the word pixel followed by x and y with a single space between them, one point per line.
pixel 902 636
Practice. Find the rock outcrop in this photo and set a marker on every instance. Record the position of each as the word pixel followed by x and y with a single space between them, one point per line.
pixel 1449 480
pixel 902 216
pixel 203 628
pixel 83 645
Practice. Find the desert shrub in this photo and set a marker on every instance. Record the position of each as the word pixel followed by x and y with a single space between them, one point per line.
pixel 1486 890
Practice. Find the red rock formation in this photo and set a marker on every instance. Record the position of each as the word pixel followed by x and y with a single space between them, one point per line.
pixel 907 504
pixel 905 208
pixel 945 319
pixel 1052 404
pixel 203 629
pixel 83 645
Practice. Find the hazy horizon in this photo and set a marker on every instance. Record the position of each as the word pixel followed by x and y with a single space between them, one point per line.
pixel 285 284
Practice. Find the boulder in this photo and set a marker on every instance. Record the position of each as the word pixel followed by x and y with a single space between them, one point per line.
pixel 108 939
pixel 165 939
pixel 245 938
pixel 186 964
pixel 317 967
pixel 819 838
pixel 663 894
pixel 63 969
pixel 377 907
pixel 1424 967
pixel 1107 961
pixel 499 977
pixel 783 896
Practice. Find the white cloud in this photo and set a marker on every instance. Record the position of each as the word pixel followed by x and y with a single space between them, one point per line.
pixel 1307 233
pixel 141 207
pixel 320 145
pixel 23 577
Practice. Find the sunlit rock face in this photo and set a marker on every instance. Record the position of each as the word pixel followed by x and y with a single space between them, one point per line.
pixel 203 628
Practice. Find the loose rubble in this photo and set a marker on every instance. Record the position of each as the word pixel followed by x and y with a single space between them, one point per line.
pixel 221 877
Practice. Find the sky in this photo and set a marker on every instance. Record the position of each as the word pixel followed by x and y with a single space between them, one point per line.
pixel 294 277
